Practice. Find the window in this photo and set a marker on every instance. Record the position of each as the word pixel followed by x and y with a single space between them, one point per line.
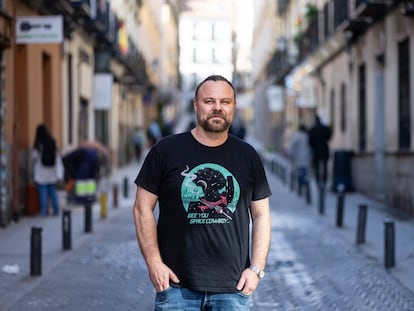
pixel 83 120
pixel 404 120
pixel 101 126
pixel 70 99
pixel 332 101
pixel 342 108
pixel 362 127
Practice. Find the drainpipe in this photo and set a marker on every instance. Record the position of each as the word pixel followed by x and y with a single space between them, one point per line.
pixel 15 124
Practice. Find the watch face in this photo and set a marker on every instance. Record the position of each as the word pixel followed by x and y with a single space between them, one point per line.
pixel 261 274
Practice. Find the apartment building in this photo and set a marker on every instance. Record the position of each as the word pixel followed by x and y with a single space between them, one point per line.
pixel 98 81
pixel 350 61
pixel 205 41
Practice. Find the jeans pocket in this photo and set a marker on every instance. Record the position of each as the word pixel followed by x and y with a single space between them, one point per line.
pixel 243 295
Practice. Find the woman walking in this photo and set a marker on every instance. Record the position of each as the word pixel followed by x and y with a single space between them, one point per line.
pixel 48 169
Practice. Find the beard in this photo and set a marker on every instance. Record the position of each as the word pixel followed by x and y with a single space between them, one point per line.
pixel 213 126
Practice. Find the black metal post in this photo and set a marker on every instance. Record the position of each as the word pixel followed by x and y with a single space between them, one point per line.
pixel 283 174
pixel 308 192
pixel 88 216
pixel 340 208
pixel 36 251
pixel 66 230
pixel 389 244
pixel 321 189
pixel 115 195
pixel 362 220
pixel 292 180
pixel 125 187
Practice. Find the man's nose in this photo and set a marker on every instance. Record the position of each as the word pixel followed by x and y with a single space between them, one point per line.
pixel 217 104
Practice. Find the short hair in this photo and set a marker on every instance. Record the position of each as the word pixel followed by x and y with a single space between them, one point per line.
pixel 214 78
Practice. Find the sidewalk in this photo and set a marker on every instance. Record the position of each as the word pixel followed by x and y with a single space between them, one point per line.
pixel 377 214
pixel 15 239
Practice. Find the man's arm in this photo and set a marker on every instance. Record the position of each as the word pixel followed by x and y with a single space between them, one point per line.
pixel 146 230
pixel 260 211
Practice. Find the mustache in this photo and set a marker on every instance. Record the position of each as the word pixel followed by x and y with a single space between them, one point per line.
pixel 216 114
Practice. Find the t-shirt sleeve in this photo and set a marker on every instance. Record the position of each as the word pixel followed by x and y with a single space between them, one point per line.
pixel 261 189
pixel 149 176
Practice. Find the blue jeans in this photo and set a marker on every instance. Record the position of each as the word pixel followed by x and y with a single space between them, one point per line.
pixel 177 299
pixel 46 191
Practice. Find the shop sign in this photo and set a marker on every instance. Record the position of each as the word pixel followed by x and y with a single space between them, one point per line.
pixel 39 29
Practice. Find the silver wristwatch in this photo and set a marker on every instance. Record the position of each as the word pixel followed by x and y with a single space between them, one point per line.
pixel 260 273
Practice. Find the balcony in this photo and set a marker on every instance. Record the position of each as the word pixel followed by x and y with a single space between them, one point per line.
pixel 308 41
pixel 375 9
pixel 82 7
pixel 33 4
pixel 407 8
pixel 59 7
pixel 279 66
pixel 356 26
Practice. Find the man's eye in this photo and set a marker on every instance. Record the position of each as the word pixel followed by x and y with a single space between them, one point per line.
pixel 209 101
pixel 225 102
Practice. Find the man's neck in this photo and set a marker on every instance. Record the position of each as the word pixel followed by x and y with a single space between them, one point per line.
pixel 209 139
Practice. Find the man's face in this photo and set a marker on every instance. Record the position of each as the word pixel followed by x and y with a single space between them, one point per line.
pixel 214 106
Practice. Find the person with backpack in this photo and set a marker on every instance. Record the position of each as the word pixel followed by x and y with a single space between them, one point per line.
pixel 47 169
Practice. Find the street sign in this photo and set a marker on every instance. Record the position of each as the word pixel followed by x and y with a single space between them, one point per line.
pixel 39 29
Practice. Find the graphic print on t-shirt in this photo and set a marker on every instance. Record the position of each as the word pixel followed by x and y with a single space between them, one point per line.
pixel 209 193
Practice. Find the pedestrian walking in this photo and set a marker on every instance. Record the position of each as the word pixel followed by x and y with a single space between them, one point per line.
pixel 47 169
pixel 153 133
pixel 83 170
pixel 209 186
pixel 319 136
pixel 300 155
pixel 138 142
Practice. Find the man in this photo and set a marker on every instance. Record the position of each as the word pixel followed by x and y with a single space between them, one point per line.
pixel 319 136
pixel 300 154
pixel 207 184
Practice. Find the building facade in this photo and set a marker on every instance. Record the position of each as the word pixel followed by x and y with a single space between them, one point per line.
pixel 99 82
pixel 350 61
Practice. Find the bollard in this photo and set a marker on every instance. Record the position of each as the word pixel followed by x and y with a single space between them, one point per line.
pixel 66 230
pixel 340 208
pixel 321 189
pixel 88 216
pixel 389 250
pixel 115 195
pixel 36 251
pixel 362 220
pixel 308 193
pixel 283 174
pixel 103 200
pixel 125 187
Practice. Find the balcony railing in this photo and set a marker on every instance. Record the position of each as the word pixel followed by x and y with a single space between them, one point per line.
pixel 308 41
pixel 374 9
pixel 279 66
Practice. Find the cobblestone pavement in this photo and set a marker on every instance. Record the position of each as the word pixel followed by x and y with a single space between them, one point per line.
pixel 310 267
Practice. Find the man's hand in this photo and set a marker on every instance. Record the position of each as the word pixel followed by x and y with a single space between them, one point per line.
pixel 248 282
pixel 160 275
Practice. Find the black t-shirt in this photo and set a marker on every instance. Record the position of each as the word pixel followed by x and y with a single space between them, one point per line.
pixel 204 198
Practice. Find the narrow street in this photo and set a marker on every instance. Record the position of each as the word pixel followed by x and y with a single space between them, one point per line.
pixel 310 267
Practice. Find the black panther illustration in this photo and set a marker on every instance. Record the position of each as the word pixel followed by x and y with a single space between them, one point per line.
pixel 218 193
